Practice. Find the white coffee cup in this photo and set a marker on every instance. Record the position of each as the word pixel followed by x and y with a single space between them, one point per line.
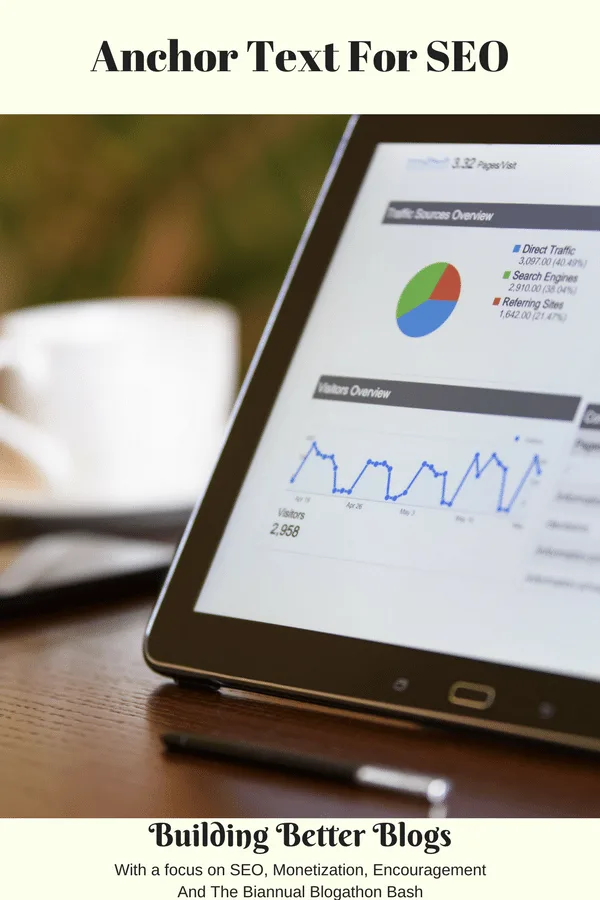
pixel 119 401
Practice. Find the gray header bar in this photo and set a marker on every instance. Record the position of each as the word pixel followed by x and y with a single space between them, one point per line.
pixel 494 215
pixel 447 397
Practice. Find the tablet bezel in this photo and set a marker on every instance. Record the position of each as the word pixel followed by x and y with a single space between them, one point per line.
pixel 276 659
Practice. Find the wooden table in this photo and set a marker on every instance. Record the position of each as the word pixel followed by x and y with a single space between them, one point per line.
pixel 81 716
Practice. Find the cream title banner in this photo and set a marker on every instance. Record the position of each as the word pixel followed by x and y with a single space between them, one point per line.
pixel 334 859
pixel 314 56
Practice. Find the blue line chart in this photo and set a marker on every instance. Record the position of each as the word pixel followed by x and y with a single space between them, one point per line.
pixel 475 469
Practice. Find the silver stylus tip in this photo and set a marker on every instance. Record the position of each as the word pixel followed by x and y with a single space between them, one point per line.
pixel 434 790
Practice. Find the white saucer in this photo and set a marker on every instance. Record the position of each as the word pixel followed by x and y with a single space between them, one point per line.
pixel 27 503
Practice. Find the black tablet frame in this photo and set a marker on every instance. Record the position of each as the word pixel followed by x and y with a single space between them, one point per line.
pixel 218 650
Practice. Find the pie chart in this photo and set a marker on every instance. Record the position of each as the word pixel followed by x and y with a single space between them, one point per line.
pixel 428 300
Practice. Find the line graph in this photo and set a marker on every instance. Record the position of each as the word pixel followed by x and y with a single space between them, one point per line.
pixel 448 497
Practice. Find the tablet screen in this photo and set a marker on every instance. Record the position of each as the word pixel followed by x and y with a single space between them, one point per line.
pixel 429 475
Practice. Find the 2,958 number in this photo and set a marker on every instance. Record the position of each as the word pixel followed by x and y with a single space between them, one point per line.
pixel 285 530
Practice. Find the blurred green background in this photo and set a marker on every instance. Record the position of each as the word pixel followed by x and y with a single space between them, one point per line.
pixel 104 206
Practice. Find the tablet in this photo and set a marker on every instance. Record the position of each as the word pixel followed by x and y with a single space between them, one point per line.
pixel 405 514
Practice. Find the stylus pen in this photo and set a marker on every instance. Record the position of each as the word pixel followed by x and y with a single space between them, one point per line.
pixel 427 787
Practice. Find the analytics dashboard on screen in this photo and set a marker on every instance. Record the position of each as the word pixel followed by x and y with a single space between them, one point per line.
pixel 429 475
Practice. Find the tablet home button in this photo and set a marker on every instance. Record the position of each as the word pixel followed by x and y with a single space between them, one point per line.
pixel 475 696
